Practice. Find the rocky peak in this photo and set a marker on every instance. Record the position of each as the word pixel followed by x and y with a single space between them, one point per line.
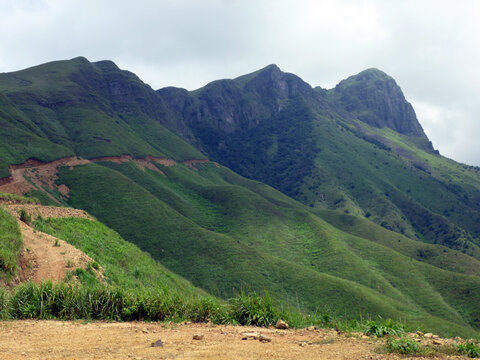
pixel 270 83
pixel 375 98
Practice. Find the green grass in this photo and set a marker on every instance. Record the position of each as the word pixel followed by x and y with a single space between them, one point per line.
pixel 405 346
pixel 224 234
pixel 469 349
pixel 60 109
pixel 10 245
pixel 124 264
pixel 18 199
pixel 384 328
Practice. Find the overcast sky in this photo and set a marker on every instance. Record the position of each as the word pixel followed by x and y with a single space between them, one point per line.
pixel 431 48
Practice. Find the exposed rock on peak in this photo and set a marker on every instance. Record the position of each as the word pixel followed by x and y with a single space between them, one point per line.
pixel 107 65
pixel 244 102
pixel 375 98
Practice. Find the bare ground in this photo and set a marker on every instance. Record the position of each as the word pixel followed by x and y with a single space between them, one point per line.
pixel 45 257
pixel 44 175
pixel 77 340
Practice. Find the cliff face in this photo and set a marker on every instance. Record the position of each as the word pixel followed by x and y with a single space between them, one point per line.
pixel 375 98
pixel 228 105
pixel 244 102
pixel 312 145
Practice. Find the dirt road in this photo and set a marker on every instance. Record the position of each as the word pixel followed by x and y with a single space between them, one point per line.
pixel 80 340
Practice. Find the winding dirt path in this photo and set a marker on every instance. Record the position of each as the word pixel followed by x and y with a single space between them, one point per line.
pixel 45 257
pixel 44 175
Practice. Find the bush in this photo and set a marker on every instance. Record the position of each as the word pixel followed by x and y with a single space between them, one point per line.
pixel 253 310
pixel 403 345
pixel 386 327
pixel 469 349
pixel 25 216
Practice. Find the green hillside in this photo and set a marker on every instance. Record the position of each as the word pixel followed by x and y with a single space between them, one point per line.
pixel 225 233
pixel 75 107
pixel 377 223
pixel 357 148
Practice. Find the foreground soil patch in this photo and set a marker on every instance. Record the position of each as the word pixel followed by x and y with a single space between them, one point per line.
pixel 79 340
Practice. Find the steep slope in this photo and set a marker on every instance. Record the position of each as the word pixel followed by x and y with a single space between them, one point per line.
pixel 374 98
pixel 75 107
pixel 63 244
pixel 225 233
pixel 357 148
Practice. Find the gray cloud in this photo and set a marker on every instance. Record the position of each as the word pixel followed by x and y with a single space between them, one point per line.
pixel 429 47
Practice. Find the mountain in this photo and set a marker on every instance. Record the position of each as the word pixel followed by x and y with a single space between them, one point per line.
pixel 80 108
pixel 379 223
pixel 358 148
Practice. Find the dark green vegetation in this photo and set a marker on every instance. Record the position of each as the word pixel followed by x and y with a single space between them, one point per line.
pixel 383 328
pixel 10 245
pixel 357 148
pixel 387 226
pixel 405 345
pixel 469 349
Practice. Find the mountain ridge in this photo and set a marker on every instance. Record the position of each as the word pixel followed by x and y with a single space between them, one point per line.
pixel 220 230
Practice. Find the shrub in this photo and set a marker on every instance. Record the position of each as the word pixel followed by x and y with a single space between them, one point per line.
pixel 253 310
pixel 403 345
pixel 25 216
pixel 469 349
pixel 386 327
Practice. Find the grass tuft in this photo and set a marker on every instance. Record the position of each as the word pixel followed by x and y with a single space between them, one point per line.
pixel 384 328
pixel 469 349
pixel 25 216
pixel 404 345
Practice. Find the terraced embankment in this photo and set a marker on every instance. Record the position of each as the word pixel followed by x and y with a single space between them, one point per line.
pixel 45 257
pixel 36 175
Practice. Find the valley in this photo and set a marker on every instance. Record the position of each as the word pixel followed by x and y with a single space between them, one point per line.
pixel 331 201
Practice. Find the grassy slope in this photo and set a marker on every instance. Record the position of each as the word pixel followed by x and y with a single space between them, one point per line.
pixel 361 178
pixel 325 158
pixel 225 233
pixel 64 108
pixel 10 245
pixel 125 265
pixel 221 231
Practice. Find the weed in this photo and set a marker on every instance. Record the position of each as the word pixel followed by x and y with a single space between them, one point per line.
pixel 404 345
pixel 469 349
pixel 386 327
pixel 56 243
pixel 69 263
pixel 253 310
pixel 25 216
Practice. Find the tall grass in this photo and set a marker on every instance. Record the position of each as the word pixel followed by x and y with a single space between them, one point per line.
pixel 10 244
pixel 66 301
pixel 100 302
